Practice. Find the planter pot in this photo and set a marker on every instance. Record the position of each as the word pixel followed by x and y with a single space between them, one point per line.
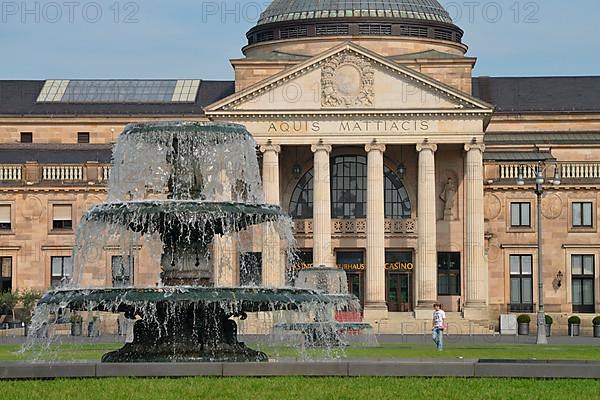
pixel 574 329
pixel 548 330
pixel 76 329
pixel 523 329
pixel 597 331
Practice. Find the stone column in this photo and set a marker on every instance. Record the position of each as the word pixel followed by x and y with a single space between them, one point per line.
pixel 322 249
pixel 475 263
pixel 426 269
pixel 273 270
pixel 375 304
pixel 225 258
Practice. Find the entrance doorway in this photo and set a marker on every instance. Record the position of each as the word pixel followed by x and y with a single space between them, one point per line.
pixel 353 262
pixel 399 277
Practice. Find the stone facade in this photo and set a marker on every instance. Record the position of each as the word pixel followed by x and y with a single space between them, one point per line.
pixel 402 109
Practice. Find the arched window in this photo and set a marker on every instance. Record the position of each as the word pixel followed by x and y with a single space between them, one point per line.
pixel 349 192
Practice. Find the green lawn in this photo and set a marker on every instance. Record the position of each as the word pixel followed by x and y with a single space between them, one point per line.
pixel 93 352
pixel 300 388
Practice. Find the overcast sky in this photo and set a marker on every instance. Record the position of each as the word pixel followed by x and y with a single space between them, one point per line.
pixel 70 39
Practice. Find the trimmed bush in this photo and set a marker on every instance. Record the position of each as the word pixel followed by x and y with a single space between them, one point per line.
pixel 549 320
pixel 596 321
pixel 523 319
pixel 574 320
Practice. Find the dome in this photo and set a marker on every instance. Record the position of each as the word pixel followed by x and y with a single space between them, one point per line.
pixel 284 20
pixel 294 10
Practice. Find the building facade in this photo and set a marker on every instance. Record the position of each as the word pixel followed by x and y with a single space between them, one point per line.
pixel 396 164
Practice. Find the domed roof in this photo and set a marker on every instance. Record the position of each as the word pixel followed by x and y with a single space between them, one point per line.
pixel 295 10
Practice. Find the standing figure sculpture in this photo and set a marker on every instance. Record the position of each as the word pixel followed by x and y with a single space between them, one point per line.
pixel 448 196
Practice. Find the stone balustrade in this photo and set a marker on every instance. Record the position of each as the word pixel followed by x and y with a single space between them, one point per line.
pixel 580 171
pixel 569 171
pixel 32 173
pixel 62 173
pixel 11 172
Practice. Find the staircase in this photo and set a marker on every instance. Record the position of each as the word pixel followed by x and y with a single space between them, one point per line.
pixel 407 324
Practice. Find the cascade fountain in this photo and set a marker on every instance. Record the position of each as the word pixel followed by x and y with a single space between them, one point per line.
pixel 183 189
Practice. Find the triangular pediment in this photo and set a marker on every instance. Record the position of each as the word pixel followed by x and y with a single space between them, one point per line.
pixel 348 79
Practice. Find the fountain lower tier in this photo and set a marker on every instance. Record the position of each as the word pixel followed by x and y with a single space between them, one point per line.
pixel 189 324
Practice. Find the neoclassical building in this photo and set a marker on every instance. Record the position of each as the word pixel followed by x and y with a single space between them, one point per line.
pixel 396 163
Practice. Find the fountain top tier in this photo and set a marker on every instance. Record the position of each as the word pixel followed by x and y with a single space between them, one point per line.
pixel 186 161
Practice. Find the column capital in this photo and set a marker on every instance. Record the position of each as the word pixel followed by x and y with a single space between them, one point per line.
pixel 270 147
pixel 475 146
pixel 321 147
pixel 427 146
pixel 375 147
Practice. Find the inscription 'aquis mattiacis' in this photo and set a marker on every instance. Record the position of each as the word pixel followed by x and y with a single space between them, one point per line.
pixel 350 126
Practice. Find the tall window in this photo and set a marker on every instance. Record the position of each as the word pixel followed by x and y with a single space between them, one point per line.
pixel 521 283
pixel 62 270
pixel 5 274
pixel 301 206
pixel 62 218
pixel 449 274
pixel 122 271
pixel 5 222
pixel 582 276
pixel 349 192
pixel 521 214
pixel 583 215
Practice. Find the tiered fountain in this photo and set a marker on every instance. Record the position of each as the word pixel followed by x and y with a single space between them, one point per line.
pixel 183 186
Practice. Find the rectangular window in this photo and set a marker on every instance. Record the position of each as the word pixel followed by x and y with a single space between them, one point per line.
pixel 521 215
pixel 5 274
pixel 583 278
pixel 26 137
pixel 583 215
pixel 62 269
pixel 83 137
pixel 521 283
pixel 122 271
pixel 62 218
pixel 5 221
pixel 449 274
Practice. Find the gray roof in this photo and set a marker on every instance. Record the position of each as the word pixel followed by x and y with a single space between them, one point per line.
pixel 527 138
pixel 543 94
pixel 55 154
pixel 517 156
pixel 292 10
pixel 20 98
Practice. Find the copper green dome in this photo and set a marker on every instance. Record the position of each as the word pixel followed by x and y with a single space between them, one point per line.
pixel 293 10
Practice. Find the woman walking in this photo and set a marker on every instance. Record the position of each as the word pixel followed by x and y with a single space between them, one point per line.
pixel 439 324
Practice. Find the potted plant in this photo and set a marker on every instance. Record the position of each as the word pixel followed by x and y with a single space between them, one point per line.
pixel 549 322
pixel 76 325
pixel 574 325
pixel 596 323
pixel 523 321
pixel 29 299
pixel 11 299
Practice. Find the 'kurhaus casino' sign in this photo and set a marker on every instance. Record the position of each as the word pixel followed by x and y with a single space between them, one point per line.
pixel 398 266
pixel 367 126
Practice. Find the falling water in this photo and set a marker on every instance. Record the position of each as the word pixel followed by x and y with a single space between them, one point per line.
pixel 184 199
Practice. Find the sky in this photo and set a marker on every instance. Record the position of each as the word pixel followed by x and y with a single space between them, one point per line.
pixel 177 39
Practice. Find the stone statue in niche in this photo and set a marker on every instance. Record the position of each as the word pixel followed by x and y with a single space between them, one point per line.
pixel 448 196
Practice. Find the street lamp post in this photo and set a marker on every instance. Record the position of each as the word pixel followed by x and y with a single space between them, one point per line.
pixel 540 172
